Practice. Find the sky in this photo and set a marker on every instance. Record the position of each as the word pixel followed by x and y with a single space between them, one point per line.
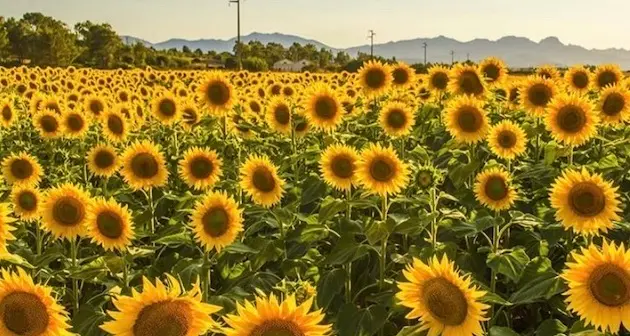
pixel 345 23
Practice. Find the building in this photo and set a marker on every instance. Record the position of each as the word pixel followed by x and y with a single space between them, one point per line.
pixel 289 66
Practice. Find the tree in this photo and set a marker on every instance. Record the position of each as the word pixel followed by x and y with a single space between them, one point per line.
pixel 198 52
pixel 49 42
pixel 255 64
pixel 4 39
pixel 186 50
pixel 101 45
pixel 342 59
pixel 325 58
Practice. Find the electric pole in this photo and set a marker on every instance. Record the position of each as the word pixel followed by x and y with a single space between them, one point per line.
pixel 452 57
pixel 371 37
pixel 239 55
pixel 468 57
pixel 424 45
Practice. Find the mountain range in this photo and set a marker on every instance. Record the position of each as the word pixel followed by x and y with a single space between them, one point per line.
pixel 517 52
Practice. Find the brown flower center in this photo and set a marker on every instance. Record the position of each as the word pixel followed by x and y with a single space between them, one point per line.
pixel 606 78
pixel 263 180
pixel 587 199
pixel 396 119
pixel 382 170
pixel 506 139
pixel 68 211
pixel 24 314
pixel 75 122
pixel 49 124
pixel 201 167
pixel 277 327
pixel 27 200
pixel 109 224
pixel 325 108
pixel 571 119
pixel 7 114
pixel 96 107
pixel 144 165
pixel 469 119
pixel 22 169
pixel 115 124
pixel 610 285
pixel 401 76
pixel 282 115
pixel 165 318
pixel 580 80
pixel 539 94
pixel 167 107
pixel 496 188
pixel 375 78
pixel 613 104
pixel 342 166
pixel 470 83
pixel 445 301
pixel 216 222
pixel 491 72
pixel 104 159
pixel 218 93
pixel 439 80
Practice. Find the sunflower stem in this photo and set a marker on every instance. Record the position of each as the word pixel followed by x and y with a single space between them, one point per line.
pixel 152 209
pixel 381 282
pixel 570 156
pixel 434 226
pixel 176 141
pixel 125 279
pixel 509 166
pixel 348 266
pixel 74 246
pixel 495 248
pixel 207 283
pixel 537 125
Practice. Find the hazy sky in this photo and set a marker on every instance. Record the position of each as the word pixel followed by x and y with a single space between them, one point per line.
pixel 344 23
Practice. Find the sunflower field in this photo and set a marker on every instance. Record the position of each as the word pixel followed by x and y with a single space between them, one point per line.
pixel 464 201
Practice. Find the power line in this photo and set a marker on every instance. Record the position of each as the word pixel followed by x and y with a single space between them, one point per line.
pixel 371 37
pixel 239 55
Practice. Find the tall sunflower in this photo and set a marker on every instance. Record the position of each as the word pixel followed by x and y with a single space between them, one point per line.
pixel 216 221
pixel 74 124
pixel 578 79
pixel 47 123
pixel 397 119
pixel 607 75
pixel 64 211
pixel 585 202
pixel 375 78
pixel 323 108
pixel 493 70
pixel 535 94
pixel 614 105
pixel 268 316
pixel 8 113
pixel 402 75
pixel 380 171
pixel 29 309
pixel 109 224
pixel 466 120
pixel 22 169
pixel 102 160
pixel 166 108
pixel 278 115
pixel 467 80
pixel 26 202
pixel 6 227
pixel 200 168
pixel 144 166
pixel 494 189
pixel 115 126
pixel 217 94
pixel 507 140
pixel 437 79
pixel 260 180
pixel 548 72
pixel 338 165
pixel 445 302
pixel 161 309
pixel 571 120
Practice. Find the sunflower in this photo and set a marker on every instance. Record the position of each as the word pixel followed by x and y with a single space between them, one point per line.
pixel 216 221
pixel 428 177
pixel 606 75
pixel 466 120
pixel 571 120
pixel 578 79
pixel 424 95
pixel 513 98
pixel 65 210
pixel 380 171
pixel 200 168
pixel 7 113
pixel 397 119
pixel 74 124
pixel 338 165
pixel 5 229
pixel 47 124
pixel 279 115
pixel 109 224
pixel 268 316
pixel 94 105
pixel 467 80
pixel 26 202
pixel 22 169
pixel 493 70
pixel 115 126
pixel 166 108
pixel 402 75
pixel 585 202
pixel 548 72
pixel 27 308
pixel 599 286
pixel 375 78
pixel 445 302
pixel 535 94
pixel 259 179
pixel 493 189
pixel 144 166
pixel 190 115
pixel 160 310
pixel 614 105
pixel 301 126
pixel 103 161
pixel 323 108
pixel 507 140
pixel 218 94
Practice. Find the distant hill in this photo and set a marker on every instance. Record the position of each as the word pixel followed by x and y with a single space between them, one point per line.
pixel 515 51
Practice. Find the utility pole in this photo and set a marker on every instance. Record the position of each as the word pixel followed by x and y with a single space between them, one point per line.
pixel 452 57
pixel 239 55
pixel 468 57
pixel 371 37
pixel 424 45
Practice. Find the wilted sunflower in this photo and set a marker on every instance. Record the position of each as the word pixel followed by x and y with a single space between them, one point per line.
pixel 467 80
pixel 323 108
pixel 397 119
pixel 216 221
pixel 278 115
pixel 614 105
pixel 437 79
pixel 494 190
pixel 144 166
pixel 109 224
pixel 166 108
pixel 585 202
pixel 160 310
pixel 571 120
pixel 375 78
pixel 548 72
pixel 428 177
pixel 7 113
pixel 200 168
pixel 103 161
pixel 65 210
pixel 599 286
pixel 444 302
pixel 26 202
pixel 29 309
pixel 507 140
pixel 260 180
pixel 466 120
pixel 217 94
pixel 338 165
pixel 270 317
pixel 493 70
pixel 535 94
pixel 94 105
pixel 578 79
pixel 22 169
pixel 74 124
pixel 47 124
pixel 380 171
pixel 606 75
pixel 402 75
pixel 115 126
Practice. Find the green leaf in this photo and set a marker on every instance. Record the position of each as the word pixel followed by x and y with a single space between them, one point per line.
pixel 330 285
pixel 16 260
pixel 238 247
pixel 495 298
pixel 551 327
pixel 376 231
pixel 539 288
pixel 315 190
pixel 411 331
pixel 348 320
pixel 345 251
pixel 330 208
pixel 502 331
pixel 373 319
pixel 551 152
pixel 175 239
pixel 510 264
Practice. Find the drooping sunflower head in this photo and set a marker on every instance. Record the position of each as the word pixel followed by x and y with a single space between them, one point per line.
pixel 27 308
pixel 467 80
pixel 65 211
pixel 599 286
pixel 278 115
pixel 166 108
pixel 549 72
pixel 444 301
pixel 585 202
pixel 607 75
pixel 110 225
pixel 191 116
pixel 115 126
pixel 260 180
pixel 102 160
pixel 380 171
pixel 536 93
pixel 428 177
pixel 47 124
pixel 216 221
pixel 614 105
pixel 578 79
pixel 144 166
pixel 200 168
pixel 22 169
pixel 438 78
pixel 402 75
pixel 338 165
pixel 507 140
pixel 493 70
pixel 494 190
pixel 26 202
pixel 74 124
pixel 301 127
pixel 323 108
pixel 571 119
pixel 268 316
pixel 163 309
pixel 375 78
pixel 397 119
pixel 8 113
pixel 217 93
pixel 466 120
